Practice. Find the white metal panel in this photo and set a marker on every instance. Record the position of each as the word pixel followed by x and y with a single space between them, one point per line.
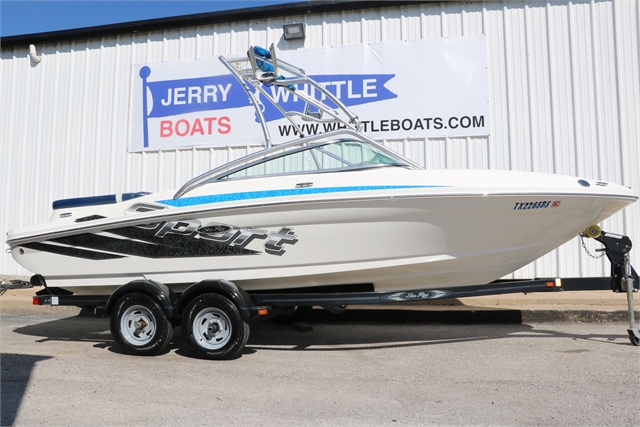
pixel 564 94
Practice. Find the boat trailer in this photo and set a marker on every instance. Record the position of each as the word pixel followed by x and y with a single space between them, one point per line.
pixel 218 313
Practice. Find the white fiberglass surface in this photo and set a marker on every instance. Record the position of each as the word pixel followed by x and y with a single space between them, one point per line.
pixel 409 237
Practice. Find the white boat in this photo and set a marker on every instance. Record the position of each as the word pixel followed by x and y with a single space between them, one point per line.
pixel 328 219
pixel 321 210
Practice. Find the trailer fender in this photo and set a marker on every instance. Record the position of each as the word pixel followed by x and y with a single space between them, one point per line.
pixel 238 296
pixel 157 290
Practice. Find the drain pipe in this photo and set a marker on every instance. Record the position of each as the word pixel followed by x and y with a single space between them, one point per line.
pixel 32 53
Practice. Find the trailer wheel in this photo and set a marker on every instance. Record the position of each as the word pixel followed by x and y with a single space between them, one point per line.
pixel 635 340
pixel 213 328
pixel 139 325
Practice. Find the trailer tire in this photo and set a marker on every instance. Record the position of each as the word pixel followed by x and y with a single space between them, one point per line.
pixel 213 328
pixel 139 325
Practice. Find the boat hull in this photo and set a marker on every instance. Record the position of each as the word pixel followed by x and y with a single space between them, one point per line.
pixel 393 240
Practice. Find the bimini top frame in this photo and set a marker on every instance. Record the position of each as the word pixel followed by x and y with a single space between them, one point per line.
pixel 260 67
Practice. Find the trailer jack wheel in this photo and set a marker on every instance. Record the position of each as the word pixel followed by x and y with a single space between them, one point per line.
pixel 634 336
pixel 214 328
pixel 139 325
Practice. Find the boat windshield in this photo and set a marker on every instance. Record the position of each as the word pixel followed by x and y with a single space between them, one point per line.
pixel 319 157
pixel 344 148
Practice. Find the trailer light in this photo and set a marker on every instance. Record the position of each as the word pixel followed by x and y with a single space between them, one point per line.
pixel 549 284
pixel 35 301
pixel 263 312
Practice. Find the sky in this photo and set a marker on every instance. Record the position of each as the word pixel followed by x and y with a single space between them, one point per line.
pixel 19 17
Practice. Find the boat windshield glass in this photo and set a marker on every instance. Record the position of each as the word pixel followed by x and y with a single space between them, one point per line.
pixel 334 156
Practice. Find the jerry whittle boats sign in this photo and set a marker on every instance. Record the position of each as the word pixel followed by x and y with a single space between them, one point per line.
pixel 191 103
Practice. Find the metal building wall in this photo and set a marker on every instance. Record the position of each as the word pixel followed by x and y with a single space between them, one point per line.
pixel 564 98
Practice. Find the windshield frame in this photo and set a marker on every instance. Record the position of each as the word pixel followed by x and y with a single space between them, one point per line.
pixel 313 149
pixel 220 173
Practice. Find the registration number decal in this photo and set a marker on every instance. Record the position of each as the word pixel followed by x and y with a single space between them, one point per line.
pixel 520 206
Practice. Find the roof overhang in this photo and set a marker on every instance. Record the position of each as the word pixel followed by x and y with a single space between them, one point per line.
pixel 211 18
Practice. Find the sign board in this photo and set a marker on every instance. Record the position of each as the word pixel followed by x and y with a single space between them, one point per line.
pixel 414 89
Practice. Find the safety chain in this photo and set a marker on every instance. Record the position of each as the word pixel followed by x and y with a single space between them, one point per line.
pixel 587 250
pixel 13 284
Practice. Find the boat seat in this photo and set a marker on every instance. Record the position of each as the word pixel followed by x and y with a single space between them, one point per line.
pixel 96 200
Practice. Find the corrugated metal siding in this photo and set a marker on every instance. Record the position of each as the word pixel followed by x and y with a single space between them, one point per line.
pixel 564 98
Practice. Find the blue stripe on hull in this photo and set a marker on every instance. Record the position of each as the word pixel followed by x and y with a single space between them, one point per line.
pixel 249 195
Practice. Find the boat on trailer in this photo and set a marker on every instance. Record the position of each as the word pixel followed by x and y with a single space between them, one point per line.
pixel 329 214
